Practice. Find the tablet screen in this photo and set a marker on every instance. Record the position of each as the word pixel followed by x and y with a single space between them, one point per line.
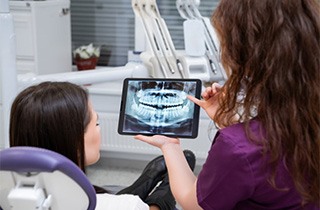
pixel 159 106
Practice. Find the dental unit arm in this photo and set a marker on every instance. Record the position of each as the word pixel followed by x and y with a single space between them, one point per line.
pixel 100 75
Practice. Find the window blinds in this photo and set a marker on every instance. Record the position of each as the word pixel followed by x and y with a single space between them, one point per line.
pixel 110 24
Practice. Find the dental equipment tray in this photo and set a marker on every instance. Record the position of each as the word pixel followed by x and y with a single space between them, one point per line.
pixel 151 106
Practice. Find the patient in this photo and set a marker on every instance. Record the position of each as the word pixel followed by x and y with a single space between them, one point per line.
pixel 59 116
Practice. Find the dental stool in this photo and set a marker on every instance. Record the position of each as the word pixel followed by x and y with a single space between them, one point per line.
pixel 35 178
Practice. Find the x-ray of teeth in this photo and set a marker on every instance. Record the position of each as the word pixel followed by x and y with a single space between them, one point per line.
pixel 159 107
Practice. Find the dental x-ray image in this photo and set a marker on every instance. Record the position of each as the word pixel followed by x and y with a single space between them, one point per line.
pixel 159 106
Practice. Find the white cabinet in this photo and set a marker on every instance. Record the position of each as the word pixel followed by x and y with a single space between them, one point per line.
pixel 43 36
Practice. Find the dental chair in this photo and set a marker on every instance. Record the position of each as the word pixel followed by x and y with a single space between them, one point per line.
pixel 35 178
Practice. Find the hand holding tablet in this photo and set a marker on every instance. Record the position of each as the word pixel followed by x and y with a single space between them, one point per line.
pixel 159 106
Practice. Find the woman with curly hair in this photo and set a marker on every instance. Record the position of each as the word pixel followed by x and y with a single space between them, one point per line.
pixel 265 154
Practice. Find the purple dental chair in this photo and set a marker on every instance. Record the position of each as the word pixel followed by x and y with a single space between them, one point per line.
pixel 35 178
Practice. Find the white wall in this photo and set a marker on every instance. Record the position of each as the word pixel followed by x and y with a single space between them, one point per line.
pixel 8 78
pixel 1 128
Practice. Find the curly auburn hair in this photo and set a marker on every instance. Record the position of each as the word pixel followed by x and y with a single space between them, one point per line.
pixel 271 52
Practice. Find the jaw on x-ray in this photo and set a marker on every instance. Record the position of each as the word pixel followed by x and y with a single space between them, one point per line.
pixel 159 107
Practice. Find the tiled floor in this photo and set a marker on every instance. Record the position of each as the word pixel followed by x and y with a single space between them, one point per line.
pixel 112 175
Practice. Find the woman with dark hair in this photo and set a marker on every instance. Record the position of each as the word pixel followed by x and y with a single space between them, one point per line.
pixel 266 153
pixel 60 117
pixel 55 116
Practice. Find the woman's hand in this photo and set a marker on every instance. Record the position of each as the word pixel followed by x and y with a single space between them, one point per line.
pixel 182 180
pixel 210 102
pixel 158 140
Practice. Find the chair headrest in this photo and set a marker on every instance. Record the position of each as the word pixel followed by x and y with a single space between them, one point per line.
pixel 57 177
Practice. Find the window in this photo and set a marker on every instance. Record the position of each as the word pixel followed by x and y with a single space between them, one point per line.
pixel 110 24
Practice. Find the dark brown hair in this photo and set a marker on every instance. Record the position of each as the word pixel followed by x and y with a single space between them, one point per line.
pixel 271 52
pixel 51 115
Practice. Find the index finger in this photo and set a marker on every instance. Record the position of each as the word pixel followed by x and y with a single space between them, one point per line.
pixel 195 100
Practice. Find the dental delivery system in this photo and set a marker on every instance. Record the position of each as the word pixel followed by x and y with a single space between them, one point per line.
pixel 188 9
pixel 162 59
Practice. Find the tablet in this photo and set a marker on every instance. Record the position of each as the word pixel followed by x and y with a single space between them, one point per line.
pixel 159 106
